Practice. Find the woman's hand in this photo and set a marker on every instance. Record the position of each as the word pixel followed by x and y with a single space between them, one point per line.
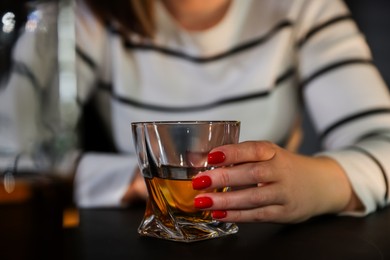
pixel 136 191
pixel 272 184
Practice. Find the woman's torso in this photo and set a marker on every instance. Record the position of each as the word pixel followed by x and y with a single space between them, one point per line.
pixel 241 69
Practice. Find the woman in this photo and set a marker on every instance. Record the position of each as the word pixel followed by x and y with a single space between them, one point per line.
pixel 254 61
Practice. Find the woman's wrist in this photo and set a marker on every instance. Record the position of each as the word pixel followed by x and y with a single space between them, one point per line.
pixel 342 194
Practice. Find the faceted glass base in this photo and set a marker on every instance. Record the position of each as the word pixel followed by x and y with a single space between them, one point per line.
pixel 182 230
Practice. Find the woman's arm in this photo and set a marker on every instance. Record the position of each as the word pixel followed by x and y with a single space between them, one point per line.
pixel 350 108
pixel 347 100
pixel 103 179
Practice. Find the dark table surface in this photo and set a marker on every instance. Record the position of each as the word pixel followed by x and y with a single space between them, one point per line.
pixel 112 234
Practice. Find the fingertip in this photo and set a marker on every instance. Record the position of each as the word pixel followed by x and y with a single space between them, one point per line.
pixel 201 182
pixel 216 157
pixel 219 214
pixel 203 202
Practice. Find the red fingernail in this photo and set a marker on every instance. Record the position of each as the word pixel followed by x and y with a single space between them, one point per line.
pixel 201 182
pixel 218 214
pixel 216 157
pixel 203 202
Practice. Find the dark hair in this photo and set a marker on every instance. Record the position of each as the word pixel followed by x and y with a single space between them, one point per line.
pixel 131 16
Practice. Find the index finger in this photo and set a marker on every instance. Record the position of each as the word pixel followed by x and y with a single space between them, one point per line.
pixel 249 151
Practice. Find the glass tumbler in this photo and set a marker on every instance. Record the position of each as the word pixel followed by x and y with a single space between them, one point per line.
pixel 170 154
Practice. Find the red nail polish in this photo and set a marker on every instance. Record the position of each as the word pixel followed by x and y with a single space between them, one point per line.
pixel 216 157
pixel 203 202
pixel 201 182
pixel 218 214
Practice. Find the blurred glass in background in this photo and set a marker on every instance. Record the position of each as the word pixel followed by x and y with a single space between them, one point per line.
pixel 38 115
pixel 38 84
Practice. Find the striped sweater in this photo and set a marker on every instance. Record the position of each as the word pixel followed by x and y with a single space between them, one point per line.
pixel 261 64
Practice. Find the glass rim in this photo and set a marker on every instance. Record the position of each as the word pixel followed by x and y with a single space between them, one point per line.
pixel 186 122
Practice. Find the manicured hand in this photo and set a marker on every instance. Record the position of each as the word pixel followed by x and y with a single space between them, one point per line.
pixel 272 184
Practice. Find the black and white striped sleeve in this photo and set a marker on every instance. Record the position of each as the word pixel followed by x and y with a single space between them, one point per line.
pixel 101 178
pixel 91 43
pixel 347 99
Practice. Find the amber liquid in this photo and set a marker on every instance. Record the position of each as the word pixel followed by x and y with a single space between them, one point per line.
pixel 173 195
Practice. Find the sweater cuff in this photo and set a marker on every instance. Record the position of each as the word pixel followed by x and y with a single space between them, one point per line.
pixel 367 185
pixel 102 179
